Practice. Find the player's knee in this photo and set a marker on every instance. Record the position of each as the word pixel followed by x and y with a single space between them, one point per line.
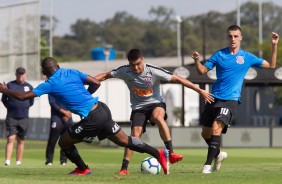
pixel 159 120
pixel 136 133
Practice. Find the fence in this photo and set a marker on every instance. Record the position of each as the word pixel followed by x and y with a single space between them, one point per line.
pixel 19 39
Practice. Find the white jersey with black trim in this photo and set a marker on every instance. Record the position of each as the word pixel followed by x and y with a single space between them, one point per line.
pixel 145 87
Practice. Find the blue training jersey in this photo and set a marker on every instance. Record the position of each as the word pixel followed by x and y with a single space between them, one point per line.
pixel 67 86
pixel 230 72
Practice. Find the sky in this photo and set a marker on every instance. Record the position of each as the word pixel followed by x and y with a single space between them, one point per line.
pixel 69 11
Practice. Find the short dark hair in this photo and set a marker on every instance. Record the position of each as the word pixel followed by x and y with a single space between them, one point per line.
pixel 134 54
pixel 234 28
pixel 48 60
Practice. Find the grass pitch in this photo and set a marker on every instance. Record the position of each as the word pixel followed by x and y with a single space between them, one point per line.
pixel 243 166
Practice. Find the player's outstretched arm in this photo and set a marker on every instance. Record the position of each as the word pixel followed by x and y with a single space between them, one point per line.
pixel 272 62
pixel 180 80
pixel 201 69
pixel 103 76
pixel 16 94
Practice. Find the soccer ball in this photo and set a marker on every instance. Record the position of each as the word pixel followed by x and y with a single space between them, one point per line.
pixel 150 165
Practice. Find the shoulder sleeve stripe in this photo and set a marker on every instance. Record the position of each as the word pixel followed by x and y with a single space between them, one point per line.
pixel 123 66
pixel 158 68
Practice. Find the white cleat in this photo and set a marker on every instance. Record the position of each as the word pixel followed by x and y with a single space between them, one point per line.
pixel 218 161
pixel 206 169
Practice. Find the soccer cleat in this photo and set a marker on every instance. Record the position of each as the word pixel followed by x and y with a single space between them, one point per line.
pixel 164 160
pixel 123 172
pixel 79 172
pixel 206 169
pixel 218 161
pixel 63 163
pixel 174 157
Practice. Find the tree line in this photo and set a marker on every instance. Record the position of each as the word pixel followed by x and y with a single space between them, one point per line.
pixel 156 37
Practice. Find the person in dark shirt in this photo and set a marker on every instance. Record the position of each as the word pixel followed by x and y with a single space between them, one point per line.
pixel 17 116
pixel 61 120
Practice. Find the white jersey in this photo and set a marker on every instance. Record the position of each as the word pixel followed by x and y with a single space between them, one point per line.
pixel 145 87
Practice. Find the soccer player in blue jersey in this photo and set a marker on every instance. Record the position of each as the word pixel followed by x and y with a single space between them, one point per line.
pixel 232 63
pixel 143 81
pixel 67 86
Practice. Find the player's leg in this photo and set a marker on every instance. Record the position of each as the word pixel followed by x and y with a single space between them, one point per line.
pixel 54 135
pixel 66 143
pixel 158 117
pixel 136 131
pixel 138 126
pixel 64 126
pixel 135 144
pixel 214 145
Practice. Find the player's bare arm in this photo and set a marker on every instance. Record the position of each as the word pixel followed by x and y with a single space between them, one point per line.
pixel 180 80
pixel 272 63
pixel 93 83
pixel 201 69
pixel 103 76
pixel 16 94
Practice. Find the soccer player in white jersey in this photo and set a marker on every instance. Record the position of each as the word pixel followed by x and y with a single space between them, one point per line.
pixel 143 81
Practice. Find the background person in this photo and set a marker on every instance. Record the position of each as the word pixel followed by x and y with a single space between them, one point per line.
pixel 61 120
pixel 17 116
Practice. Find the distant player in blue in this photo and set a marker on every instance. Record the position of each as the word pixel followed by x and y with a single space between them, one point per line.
pixel 67 86
pixel 232 64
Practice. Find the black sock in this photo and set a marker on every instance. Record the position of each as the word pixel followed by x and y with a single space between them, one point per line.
pixel 136 144
pixel 73 155
pixel 168 145
pixel 213 149
pixel 124 165
pixel 208 141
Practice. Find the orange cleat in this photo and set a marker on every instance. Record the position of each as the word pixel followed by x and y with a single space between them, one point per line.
pixel 163 160
pixel 174 157
pixel 79 172
pixel 123 172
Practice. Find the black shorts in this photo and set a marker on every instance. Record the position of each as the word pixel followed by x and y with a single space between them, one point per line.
pixel 140 117
pixel 222 110
pixel 17 127
pixel 98 123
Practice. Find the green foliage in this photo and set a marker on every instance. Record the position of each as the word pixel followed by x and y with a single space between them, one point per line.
pixel 157 36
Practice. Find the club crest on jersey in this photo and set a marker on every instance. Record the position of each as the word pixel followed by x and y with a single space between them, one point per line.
pixel 240 60
pixel 148 81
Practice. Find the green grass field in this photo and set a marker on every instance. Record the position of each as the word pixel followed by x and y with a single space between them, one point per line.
pixel 257 166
